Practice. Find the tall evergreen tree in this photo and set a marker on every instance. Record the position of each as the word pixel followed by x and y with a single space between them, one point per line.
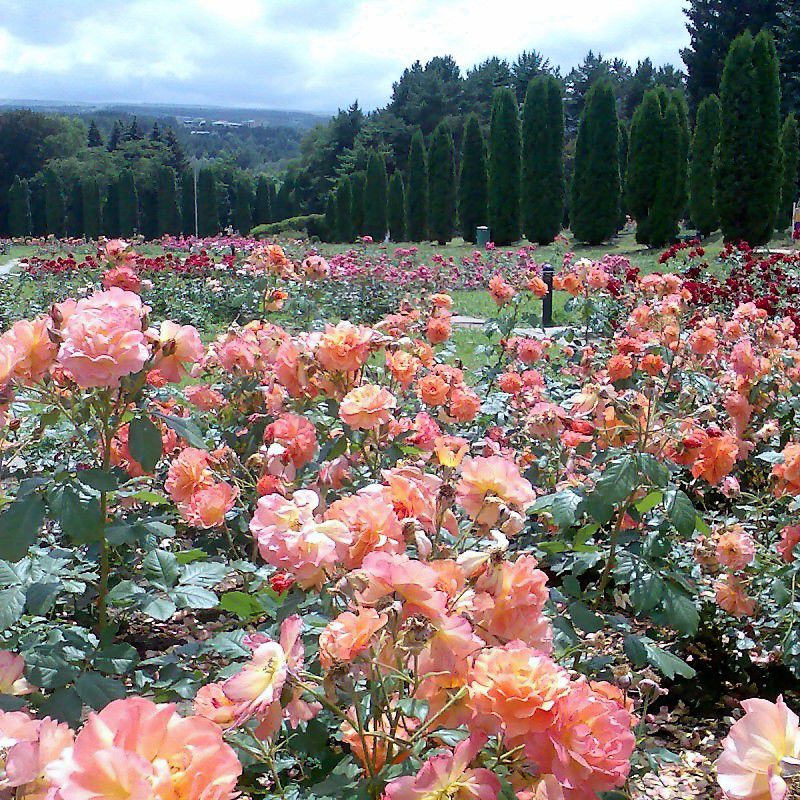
pixel 624 144
pixel 473 181
pixel 38 209
pixel 417 190
pixel 790 148
pixel 168 211
pixel 148 212
pixel 94 139
pixel 128 204
pixel 504 168
pixel 207 210
pixel 678 100
pixel 75 208
pixel 263 210
pixel 747 166
pixel 111 209
pixel 344 212
pixel 542 196
pixel 243 207
pixel 594 209
pixel 441 185
pixel 330 218
pixel 19 208
pixel 132 133
pixel 92 214
pixel 665 212
pixel 787 38
pixel 702 204
pixel 55 206
pixel 283 205
pixel 155 132
pixel 358 186
pixel 187 202
pixel 116 136
pixel 397 208
pixel 176 158
pixel 375 200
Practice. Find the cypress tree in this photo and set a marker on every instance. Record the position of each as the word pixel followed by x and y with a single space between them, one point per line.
pixel 19 208
pixel 417 190
pixel 624 142
pixel 375 200
pixel 767 196
pixel 242 209
pixel 148 213
pixel 128 204
pixel 116 136
pixel 358 185
pixel 330 218
pixel 168 214
pixel 504 168
pixel 664 214
pixel 273 194
pixel 790 147
pixel 55 207
pixel 263 211
pixel 344 212
pixel 594 209
pixel 92 217
pixel 702 206
pixel 682 165
pixel 75 209
pixel 111 209
pixel 283 205
pixel 441 185
pixel 644 161
pixel 94 139
pixel 38 209
pixel 473 183
pixel 397 208
pixel 542 196
pixel 746 169
pixel 207 211
pixel 187 203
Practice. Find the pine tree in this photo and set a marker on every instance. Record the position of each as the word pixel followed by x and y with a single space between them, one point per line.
pixel 92 218
pixel 111 210
pixel 330 218
pixel 132 134
pixel 504 168
pixel 702 205
pixel 358 185
pixel 128 204
pixel 207 210
pixel 664 214
pixel 344 212
pixel 441 185
pixel 263 211
pixel 542 196
pixel 19 208
pixel 397 208
pixel 75 209
pixel 375 200
pixel 155 133
pixel 55 207
pixel 594 208
pixel 790 148
pixel 176 158
pixel 417 190
pixel 473 183
pixel 747 164
pixel 243 207
pixel 116 136
pixel 168 212
pixel 94 139
pixel 187 203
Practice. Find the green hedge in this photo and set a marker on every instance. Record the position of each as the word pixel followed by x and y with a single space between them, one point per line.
pixel 308 225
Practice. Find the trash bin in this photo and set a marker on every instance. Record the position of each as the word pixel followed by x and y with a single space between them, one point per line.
pixel 481 236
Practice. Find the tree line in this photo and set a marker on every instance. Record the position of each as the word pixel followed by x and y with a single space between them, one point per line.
pixel 737 170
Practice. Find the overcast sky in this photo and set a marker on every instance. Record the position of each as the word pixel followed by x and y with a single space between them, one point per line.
pixel 312 55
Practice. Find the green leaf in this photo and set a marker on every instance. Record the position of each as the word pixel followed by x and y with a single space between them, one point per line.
pixel 585 619
pixel 563 508
pixel 188 596
pixel 678 612
pixel 185 428
pixel 618 480
pixel 65 705
pixel 97 691
pixel 635 650
pixel 19 527
pixel 656 472
pixel 161 608
pixel 12 604
pixel 668 664
pixel 243 605
pixel 161 568
pixel 98 479
pixel 144 442
pixel 79 516
pixel 680 511
pixel 49 670
pixel 116 659
pixel 649 502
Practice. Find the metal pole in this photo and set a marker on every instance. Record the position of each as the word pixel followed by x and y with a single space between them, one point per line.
pixel 196 232
pixel 547 300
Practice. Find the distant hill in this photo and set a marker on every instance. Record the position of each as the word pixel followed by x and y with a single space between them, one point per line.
pixel 301 120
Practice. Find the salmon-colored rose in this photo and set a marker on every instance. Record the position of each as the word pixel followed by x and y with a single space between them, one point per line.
pixel 349 635
pixel 207 507
pixel 433 390
pixel 345 347
pixel 788 472
pixel 180 346
pixel 484 478
pixel 189 473
pixel 367 407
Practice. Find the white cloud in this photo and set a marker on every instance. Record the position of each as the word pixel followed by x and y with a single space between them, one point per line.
pixel 303 54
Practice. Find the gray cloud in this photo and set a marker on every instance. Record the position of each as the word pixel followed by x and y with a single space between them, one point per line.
pixel 299 54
